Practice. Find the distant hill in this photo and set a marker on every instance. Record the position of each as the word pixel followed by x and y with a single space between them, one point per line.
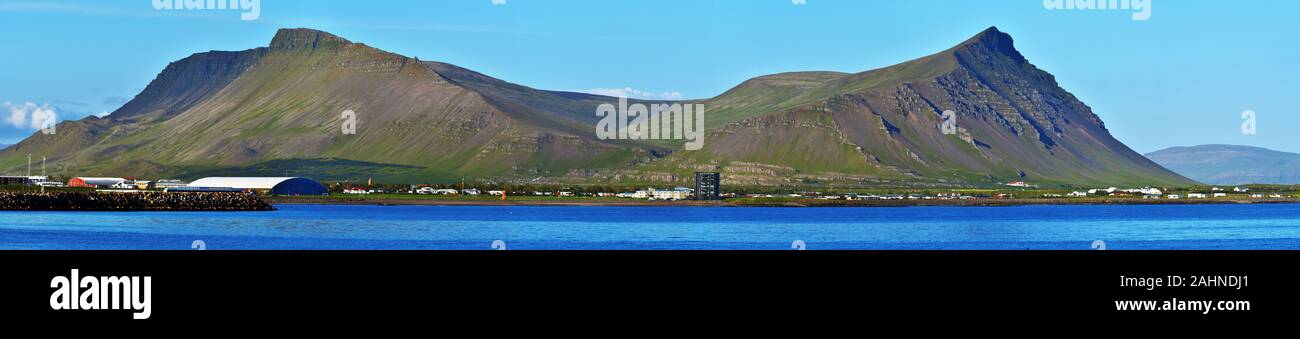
pixel 276 109
pixel 1231 165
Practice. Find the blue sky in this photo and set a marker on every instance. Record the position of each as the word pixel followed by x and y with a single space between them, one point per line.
pixel 1182 77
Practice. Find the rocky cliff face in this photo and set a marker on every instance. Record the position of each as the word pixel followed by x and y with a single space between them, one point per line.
pixel 431 120
pixel 1014 123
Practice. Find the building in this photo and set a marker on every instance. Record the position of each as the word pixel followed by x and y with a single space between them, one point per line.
pixel 266 185
pixel 1196 196
pixel 22 180
pixel 187 189
pixel 708 186
pixel 167 183
pixel 680 193
pixel 95 182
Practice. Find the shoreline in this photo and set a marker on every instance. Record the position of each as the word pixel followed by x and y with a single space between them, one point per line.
pixel 794 203
pixel 131 202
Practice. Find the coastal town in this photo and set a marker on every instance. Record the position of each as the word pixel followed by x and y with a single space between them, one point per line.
pixel 706 187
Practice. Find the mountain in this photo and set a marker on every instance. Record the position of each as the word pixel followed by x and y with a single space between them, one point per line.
pixel 278 110
pixel 1231 165
pixel 883 126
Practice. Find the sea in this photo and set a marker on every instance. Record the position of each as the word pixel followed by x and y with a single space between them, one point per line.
pixel 366 227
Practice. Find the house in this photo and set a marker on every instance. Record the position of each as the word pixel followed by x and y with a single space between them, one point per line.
pixel 1220 195
pixel 1257 196
pixel 1017 184
pixel 1241 189
pixel 566 194
pixel 471 191
pixel 1078 194
pixel 357 190
pixel 1196 196
pixel 497 192
pixel 424 190
pixel 1175 196
pixel 446 191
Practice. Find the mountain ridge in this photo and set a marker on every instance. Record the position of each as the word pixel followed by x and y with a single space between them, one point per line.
pixel 233 110
pixel 1219 164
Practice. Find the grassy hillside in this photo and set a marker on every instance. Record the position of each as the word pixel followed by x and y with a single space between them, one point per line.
pixel 277 110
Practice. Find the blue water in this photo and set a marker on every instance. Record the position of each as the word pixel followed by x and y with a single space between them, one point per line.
pixel 523 227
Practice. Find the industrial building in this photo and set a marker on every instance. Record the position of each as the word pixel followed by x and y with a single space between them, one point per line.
pixel 95 182
pixel 708 186
pixel 21 180
pixel 265 185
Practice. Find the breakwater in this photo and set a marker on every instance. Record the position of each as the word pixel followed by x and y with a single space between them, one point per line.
pixel 134 201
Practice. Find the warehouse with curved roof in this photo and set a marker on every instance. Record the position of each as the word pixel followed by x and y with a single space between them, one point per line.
pixel 272 185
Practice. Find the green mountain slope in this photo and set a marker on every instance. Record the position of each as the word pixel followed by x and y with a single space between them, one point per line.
pixel 1231 165
pixel 278 109
pixel 235 109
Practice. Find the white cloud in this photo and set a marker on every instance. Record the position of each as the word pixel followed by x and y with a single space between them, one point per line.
pixel 30 115
pixel 629 92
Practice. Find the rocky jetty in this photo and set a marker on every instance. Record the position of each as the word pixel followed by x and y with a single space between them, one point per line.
pixel 136 201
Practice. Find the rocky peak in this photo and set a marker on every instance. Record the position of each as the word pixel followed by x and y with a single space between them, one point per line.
pixel 305 38
pixel 992 41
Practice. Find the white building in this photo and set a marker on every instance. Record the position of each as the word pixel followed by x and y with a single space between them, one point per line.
pixel 272 185
pixel 1107 190
pixel 1196 196
pixel 1146 191
pixel 1078 194
pixel 680 193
